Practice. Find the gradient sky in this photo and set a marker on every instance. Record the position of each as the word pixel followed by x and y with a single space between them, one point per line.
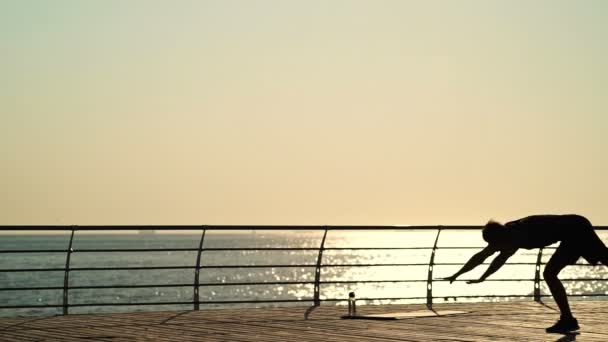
pixel 302 112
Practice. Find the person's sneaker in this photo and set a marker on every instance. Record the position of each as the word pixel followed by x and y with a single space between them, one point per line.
pixel 564 326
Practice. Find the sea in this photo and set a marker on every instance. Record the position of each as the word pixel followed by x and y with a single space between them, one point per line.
pixel 217 284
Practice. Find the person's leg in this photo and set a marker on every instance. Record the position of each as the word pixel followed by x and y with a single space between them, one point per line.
pixel 562 257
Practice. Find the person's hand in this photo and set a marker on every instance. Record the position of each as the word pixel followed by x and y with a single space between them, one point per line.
pixel 474 281
pixel 450 278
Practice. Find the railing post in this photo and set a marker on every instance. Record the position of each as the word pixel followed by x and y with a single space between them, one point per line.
pixel 66 275
pixel 317 293
pixel 197 270
pixel 429 281
pixel 537 276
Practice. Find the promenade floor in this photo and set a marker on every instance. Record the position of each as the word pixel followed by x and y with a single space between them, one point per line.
pixel 505 321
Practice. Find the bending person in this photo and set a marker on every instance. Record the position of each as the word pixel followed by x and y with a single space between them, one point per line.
pixel 577 239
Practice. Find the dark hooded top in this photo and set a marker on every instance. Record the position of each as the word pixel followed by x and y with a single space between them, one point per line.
pixel 539 231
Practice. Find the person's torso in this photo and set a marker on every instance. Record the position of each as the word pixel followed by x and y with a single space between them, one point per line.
pixel 543 230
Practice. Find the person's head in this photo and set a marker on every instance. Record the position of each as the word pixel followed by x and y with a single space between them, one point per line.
pixel 494 233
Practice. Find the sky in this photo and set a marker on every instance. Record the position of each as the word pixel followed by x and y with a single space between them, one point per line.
pixel 291 112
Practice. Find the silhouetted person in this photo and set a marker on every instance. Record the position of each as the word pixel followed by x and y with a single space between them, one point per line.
pixel 576 236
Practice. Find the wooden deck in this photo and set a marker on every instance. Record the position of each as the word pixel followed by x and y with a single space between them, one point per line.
pixel 513 321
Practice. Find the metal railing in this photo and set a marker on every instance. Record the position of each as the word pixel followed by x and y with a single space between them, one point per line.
pixel 198 267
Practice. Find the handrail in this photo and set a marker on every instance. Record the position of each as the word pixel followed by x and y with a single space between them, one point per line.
pixel 229 227
pixel 318 266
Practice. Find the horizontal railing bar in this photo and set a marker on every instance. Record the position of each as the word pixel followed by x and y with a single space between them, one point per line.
pixel 31 288
pixel 32 270
pixel 102 250
pixel 98 269
pixel 264 266
pixel 344 300
pixel 583 295
pixel 356 265
pixel 375 248
pixel 191 302
pixel 226 227
pixel 462 280
pixel 439 297
pixel 248 301
pixel 309 265
pixel 582 279
pixel 33 306
pixel 484 263
pixel 87 287
pixel 487 296
pixel 257 301
pixel 143 286
pixel 255 266
pixel 94 250
pixel 32 251
pixel 131 304
pixel 245 249
pixel 239 249
pixel 460 247
pixel 419 264
pixel 288 300
pixel 372 281
pixel 93 287
pixel 227 249
pixel 368 299
pixel 240 227
pixel 373 265
pixel 130 268
pixel 578 295
pixel 153 286
pixel 265 283
pixel 259 283
pixel 312 282
pixel 231 249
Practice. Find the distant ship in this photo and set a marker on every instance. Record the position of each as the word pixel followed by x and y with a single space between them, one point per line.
pixel 146 232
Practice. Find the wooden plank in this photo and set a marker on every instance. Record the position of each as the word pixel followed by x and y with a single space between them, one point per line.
pixel 505 321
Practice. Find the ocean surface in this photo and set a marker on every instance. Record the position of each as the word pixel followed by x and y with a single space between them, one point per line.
pixel 501 283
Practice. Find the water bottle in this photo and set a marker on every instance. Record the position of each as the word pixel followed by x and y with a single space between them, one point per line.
pixel 352 305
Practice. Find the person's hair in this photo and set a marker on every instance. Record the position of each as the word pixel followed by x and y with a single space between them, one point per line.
pixel 493 231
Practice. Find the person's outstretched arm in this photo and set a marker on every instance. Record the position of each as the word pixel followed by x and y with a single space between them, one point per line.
pixel 495 265
pixel 475 261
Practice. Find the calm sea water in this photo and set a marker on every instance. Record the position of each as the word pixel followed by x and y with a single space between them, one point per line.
pixel 219 292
